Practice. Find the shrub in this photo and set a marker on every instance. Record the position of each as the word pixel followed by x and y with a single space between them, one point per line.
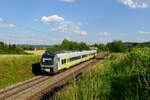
pixel 139 57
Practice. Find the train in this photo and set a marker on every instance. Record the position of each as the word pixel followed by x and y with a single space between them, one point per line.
pixel 53 62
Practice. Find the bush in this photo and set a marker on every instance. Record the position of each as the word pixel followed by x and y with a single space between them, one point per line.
pixel 140 57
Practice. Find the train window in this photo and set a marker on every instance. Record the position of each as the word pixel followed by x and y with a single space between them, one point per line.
pixel 63 61
pixel 93 54
pixel 83 56
pixel 47 59
pixel 75 58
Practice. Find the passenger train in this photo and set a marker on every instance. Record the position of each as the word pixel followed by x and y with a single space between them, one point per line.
pixel 52 62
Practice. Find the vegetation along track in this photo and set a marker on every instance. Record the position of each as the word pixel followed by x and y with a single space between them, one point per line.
pixel 34 88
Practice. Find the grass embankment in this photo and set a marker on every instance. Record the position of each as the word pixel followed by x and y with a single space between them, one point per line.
pixel 120 77
pixel 16 68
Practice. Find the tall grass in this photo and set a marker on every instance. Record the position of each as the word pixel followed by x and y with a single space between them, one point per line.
pixel 14 68
pixel 120 77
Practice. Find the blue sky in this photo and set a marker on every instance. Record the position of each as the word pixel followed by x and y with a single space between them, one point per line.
pixel 91 21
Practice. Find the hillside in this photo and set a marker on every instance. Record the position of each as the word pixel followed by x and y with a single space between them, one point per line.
pixel 16 68
pixel 120 77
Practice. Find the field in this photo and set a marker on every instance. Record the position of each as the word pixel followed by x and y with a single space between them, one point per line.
pixel 16 68
pixel 35 52
pixel 120 77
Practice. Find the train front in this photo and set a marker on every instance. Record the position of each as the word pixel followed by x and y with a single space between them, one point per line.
pixel 48 63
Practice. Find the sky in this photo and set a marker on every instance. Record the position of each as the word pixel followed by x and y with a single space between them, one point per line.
pixel 48 22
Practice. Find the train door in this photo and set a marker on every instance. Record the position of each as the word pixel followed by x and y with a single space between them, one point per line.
pixel 68 60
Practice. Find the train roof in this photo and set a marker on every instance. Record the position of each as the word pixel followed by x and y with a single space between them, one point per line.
pixel 57 52
pixel 67 52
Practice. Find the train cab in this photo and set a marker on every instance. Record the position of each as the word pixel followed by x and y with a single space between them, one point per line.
pixel 48 62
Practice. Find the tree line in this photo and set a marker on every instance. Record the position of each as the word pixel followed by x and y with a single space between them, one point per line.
pixel 118 46
pixel 114 46
pixel 10 49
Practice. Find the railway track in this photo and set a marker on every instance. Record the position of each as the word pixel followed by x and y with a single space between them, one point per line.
pixel 34 88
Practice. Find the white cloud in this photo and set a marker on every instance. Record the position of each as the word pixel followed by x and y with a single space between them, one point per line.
pixel 104 33
pixel 12 25
pixel 62 25
pixel 67 0
pixel 103 40
pixel 83 33
pixel 136 3
pixel 79 23
pixel 140 40
pixel 1 20
pixel 22 39
pixel 52 19
pixel 35 20
pixel 143 32
pixel 7 25
pixel 69 27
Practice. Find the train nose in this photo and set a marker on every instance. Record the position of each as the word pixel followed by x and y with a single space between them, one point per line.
pixel 47 70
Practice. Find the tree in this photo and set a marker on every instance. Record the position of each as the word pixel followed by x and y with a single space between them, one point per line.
pixel 69 45
pixel 117 46
pixel 83 46
pixel 1 46
pixel 65 45
pixel 13 49
pixel 102 47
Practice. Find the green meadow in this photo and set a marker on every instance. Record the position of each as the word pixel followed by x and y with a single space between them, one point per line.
pixel 16 68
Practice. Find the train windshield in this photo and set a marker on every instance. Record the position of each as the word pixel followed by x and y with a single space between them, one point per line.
pixel 47 59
